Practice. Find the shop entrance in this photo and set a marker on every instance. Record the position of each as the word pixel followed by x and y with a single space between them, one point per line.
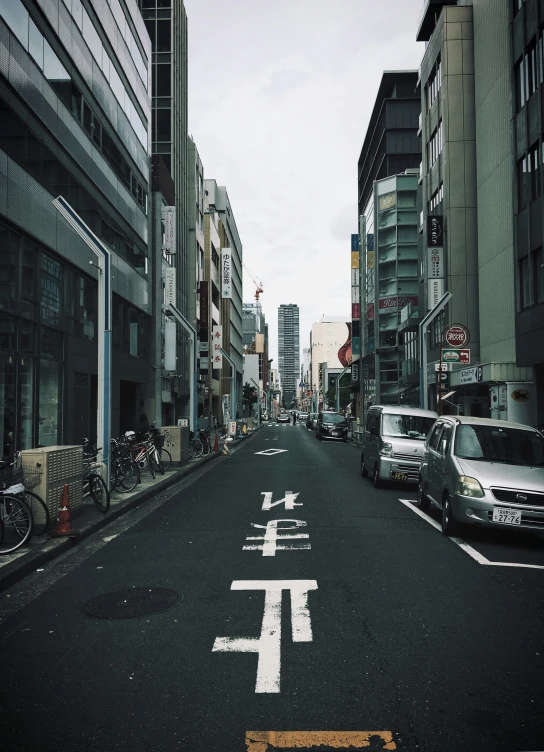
pixel 128 406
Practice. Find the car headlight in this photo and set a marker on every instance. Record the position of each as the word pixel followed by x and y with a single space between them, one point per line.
pixel 386 449
pixel 469 487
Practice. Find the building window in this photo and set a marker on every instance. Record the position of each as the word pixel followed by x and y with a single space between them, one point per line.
pixel 436 198
pixel 50 291
pixel 520 84
pixel 434 83
pixel 436 144
pixel 534 170
pixel 526 296
pixel 523 182
pixel 538 275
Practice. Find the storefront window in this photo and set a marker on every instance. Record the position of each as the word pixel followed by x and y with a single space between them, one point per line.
pixel 49 389
pixel 7 404
pixel 50 289
pixel 8 269
pixel 26 377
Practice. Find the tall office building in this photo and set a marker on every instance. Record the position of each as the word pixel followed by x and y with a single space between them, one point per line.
pixel 167 28
pixel 75 115
pixel 289 350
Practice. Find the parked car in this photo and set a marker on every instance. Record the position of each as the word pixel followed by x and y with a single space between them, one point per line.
pixel 393 443
pixel 330 425
pixel 284 418
pixel 311 420
pixel 302 417
pixel 483 472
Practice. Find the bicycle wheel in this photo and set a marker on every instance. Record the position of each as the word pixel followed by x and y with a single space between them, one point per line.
pixel 197 448
pixel 129 476
pixel 17 520
pixel 99 493
pixel 155 458
pixel 166 458
pixel 150 464
pixel 40 513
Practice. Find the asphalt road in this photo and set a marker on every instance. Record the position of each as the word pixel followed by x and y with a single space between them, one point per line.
pixel 365 629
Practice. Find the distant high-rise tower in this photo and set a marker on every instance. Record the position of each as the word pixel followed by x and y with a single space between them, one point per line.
pixel 288 350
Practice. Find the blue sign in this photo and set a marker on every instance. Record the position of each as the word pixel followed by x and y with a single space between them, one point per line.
pixel 354 242
pixel 370 241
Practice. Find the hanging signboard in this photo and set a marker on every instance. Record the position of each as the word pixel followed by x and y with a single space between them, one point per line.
pixel 435 263
pixel 204 305
pixel 435 232
pixel 435 292
pixel 456 356
pixel 217 344
pixel 169 285
pixel 168 217
pixel 456 335
pixel 226 275
pixel 169 345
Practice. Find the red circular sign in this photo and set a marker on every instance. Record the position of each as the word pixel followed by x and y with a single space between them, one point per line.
pixel 456 335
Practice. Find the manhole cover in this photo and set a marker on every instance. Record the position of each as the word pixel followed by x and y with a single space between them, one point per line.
pixel 131 603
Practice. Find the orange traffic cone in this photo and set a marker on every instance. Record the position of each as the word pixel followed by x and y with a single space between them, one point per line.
pixel 64 519
pixel 216 444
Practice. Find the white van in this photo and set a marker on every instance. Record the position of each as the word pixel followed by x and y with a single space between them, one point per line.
pixel 393 443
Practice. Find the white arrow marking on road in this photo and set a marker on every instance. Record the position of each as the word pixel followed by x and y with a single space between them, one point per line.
pixel 274 534
pixel 272 452
pixel 268 645
pixel 289 501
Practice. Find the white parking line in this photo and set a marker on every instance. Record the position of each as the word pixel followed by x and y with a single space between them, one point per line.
pixel 476 555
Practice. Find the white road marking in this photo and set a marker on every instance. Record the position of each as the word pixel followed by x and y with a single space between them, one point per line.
pixel 274 535
pixel 271 452
pixel 288 500
pixel 268 645
pixel 468 549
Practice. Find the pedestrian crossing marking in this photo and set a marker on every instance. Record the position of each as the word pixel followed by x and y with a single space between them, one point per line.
pixel 269 741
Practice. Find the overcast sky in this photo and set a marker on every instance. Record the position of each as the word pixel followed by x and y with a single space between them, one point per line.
pixel 280 95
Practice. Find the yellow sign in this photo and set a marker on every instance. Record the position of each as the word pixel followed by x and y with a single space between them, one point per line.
pixel 370 260
pixel 355 259
pixel 269 741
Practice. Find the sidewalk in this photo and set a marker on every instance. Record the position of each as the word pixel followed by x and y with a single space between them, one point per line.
pixel 88 520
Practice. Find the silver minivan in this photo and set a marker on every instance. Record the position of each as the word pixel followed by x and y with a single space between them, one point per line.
pixel 393 440
pixel 483 472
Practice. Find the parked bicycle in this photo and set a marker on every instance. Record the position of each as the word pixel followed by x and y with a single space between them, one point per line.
pixel 93 482
pixel 124 471
pixel 15 514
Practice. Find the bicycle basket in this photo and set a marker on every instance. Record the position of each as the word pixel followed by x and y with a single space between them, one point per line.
pixel 32 476
pixel 158 440
pixel 11 471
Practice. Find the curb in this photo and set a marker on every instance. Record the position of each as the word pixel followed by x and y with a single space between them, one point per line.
pixel 32 560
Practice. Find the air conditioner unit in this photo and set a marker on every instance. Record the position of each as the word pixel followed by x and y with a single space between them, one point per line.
pixel 56 465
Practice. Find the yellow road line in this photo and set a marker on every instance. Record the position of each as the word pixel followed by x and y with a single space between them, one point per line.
pixel 268 741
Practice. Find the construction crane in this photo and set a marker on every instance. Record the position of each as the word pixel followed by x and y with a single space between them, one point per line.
pixel 258 285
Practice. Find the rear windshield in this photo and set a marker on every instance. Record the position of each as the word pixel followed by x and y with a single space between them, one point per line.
pixel 407 426
pixel 512 446
pixel 333 418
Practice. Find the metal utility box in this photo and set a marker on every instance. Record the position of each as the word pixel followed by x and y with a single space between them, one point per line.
pixel 57 465
pixel 177 443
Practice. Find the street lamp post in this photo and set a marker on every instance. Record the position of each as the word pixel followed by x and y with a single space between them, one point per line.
pixel 103 255
pixel 258 400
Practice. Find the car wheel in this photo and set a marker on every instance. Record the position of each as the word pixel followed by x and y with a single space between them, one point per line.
pixel 450 526
pixel 378 483
pixel 364 471
pixel 423 501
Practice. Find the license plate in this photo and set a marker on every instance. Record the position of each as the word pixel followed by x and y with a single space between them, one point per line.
pixel 399 476
pixel 507 516
pixel 336 433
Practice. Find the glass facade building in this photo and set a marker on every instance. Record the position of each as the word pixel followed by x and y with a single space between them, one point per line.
pixel 75 113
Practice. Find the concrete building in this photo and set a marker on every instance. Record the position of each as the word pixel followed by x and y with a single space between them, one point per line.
pixel 475 130
pixel 231 300
pixel 289 351
pixel 75 120
pixel 255 339
pixel 167 29
pixel 327 338
pixel 391 146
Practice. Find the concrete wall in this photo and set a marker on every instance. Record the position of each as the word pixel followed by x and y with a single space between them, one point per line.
pixel 495 177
